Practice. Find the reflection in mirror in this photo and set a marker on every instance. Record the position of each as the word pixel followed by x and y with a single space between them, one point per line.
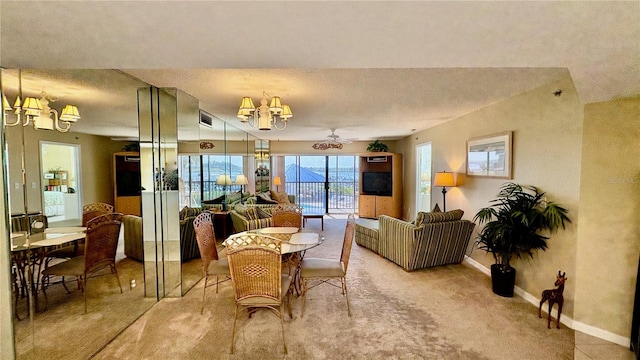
pixel 188 136
pixel 263 171
pixel 60 170
pixel 106 100
pixel 198 149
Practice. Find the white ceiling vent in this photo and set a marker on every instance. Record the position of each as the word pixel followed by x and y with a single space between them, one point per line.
pixel 206 119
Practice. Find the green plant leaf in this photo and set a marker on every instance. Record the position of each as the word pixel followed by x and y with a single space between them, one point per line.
pixel 514 220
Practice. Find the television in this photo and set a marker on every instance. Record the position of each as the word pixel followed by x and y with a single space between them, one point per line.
pixel 376 183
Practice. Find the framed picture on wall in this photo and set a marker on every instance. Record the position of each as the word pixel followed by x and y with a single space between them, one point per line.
pixel 490 156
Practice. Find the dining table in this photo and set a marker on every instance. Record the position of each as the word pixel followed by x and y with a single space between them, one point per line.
pixel 294 244
pixel 27 255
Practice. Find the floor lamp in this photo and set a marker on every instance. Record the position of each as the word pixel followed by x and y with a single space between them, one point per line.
pixel 242 181
pixel 444 179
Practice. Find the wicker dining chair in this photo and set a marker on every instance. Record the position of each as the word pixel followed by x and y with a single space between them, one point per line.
pixel 316 271
pixel 256 274
pixel 89 211
pixel 287 215
pixel 213 263
pixel 100 253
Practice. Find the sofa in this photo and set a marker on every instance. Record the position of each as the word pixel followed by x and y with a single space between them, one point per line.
pixel 433 239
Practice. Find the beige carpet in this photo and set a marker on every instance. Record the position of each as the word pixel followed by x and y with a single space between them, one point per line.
pixel 65 332
pixel 440 313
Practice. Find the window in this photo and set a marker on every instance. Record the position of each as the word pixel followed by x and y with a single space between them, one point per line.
pixel 199 174
pixel 423 177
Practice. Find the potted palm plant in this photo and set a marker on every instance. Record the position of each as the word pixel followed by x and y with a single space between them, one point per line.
pixel 377 146
pixel 514 226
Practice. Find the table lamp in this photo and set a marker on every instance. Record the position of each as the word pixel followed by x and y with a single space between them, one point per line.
pixel 444 179
pixel 277 182
pixel 224 180
pixel 242 181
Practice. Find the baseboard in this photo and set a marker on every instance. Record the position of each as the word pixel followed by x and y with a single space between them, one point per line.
pixel 602 334
pixel 566 320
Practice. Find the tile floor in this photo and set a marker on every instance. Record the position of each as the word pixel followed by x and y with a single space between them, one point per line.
pixel 589 347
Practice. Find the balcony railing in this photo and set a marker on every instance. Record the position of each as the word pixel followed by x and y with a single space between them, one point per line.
pixel 311 196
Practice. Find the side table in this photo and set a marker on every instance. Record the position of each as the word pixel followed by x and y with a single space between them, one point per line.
pixel 222 225
pixel 313 216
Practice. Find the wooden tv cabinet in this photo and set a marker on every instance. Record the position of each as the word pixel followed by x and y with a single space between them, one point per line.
pixel 372 206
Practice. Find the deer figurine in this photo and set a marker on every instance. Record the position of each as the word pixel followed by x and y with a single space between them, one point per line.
pixel 554 296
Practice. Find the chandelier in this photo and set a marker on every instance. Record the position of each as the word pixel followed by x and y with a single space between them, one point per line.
pixel 38 111
pixel 265 117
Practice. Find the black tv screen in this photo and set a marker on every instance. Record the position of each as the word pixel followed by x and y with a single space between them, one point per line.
pixel 376 183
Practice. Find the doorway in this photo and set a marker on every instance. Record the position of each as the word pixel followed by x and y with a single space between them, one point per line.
pixel 61 183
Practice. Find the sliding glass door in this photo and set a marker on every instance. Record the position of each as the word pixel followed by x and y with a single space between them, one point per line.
pixel 323 184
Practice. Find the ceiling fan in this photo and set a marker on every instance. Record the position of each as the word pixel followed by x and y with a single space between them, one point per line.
pixel 333 142
pixel 335 138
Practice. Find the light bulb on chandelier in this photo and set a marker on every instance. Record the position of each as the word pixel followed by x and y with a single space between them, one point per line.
pixel 264 117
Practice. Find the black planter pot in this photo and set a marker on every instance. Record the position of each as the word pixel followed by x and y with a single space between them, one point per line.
pixel 503 280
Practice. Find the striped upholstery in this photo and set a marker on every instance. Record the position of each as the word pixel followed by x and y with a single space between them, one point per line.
pixel 242 223
pixel 367 236
pixel 416 247
pixel 133 245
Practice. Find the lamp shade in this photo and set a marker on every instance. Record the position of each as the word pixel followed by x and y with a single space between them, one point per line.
pixel 32 106
pixel 70 113
pixel 5 104
pixel 275 106
pixel 444 179
pixel 241 180
pixel 286 112
pixel 246 108
pixel 277 181
pixel 224 179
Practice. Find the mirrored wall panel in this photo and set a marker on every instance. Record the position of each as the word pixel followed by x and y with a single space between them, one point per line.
pixel 62 129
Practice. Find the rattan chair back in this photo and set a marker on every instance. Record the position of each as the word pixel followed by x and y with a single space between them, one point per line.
pixel 349 233
pixel 206 238
pixel 287 215
pixel 256 267
pixel 101 242
pixel 90 211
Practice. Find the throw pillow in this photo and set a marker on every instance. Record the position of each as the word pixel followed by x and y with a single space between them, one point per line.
pixel 262 213
pixel 440 216
pixel 264 198
pixel 233 197
pixel 436 208
pixel 280 197
pixel 252 213
pixel 241 209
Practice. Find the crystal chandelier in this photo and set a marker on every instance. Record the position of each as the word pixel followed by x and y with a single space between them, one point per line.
pixel 265 117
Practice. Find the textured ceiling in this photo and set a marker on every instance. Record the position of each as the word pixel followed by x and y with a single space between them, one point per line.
pixel 370 69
